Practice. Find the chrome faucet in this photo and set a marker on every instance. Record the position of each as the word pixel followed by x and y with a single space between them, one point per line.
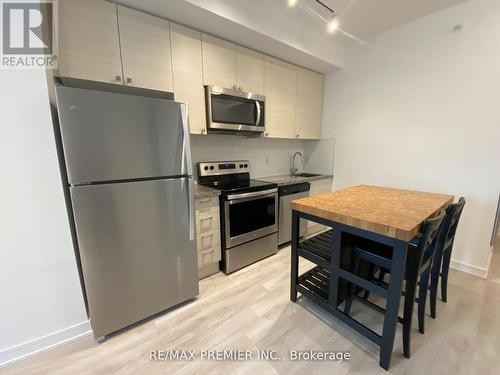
pixel 294 170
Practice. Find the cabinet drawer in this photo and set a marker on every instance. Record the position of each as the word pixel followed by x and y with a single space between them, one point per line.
pixel 207 204
pixel 207 222
pixel 207 240
pixel 209 256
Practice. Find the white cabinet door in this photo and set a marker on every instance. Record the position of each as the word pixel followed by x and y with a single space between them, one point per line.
pixel 250 70
pixel 145 47
pixel 188 74
pixel 219 62
pixel 309 104
pixel 280 80
pixel 88 41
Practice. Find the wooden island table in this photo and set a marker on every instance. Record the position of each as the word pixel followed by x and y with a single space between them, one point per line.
pixel 392 217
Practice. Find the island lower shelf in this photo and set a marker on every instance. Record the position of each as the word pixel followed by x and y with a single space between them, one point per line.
pixel 316 281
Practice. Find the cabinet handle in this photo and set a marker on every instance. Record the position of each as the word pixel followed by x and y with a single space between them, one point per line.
pixel 129 80
pixel 235 87
pixel 117 79
pixel 297 135
pixel 240 88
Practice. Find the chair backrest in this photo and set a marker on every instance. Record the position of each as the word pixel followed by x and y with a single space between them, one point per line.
pixel 431 232
pixel 453 211
pixel 447 230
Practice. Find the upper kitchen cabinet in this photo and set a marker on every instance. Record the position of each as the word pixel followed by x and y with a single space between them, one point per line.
pixel 219 62
pixel 232 67
pixel 280 82
pixel 187 66
pixel 89 46
pixel 145 48
pixel 308 110
pixel 249 70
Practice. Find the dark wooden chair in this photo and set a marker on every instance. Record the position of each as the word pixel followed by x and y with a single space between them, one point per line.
pixel 442 254
pixel 418 266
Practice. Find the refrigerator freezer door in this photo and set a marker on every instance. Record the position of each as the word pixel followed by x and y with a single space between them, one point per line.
pixel 109 136
pixel 137 258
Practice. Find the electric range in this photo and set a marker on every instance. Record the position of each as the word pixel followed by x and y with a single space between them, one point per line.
pixel 248 212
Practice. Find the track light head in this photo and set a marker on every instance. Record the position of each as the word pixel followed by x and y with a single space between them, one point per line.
pixel 333 25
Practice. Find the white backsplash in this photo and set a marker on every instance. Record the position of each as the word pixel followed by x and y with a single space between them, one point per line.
pixel 318 155
pixel 268 157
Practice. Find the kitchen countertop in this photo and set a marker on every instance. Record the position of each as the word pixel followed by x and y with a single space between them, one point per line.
pixel 391 212
pixel 202 191
pixel 287 179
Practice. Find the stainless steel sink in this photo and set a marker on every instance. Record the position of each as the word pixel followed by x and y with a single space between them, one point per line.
pixel 306 175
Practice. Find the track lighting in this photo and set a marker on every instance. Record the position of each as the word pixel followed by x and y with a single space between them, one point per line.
pixel 333 24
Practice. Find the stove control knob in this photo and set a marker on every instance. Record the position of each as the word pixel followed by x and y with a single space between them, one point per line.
pixel 206 168
pixel 246 165
pixel 241 165
pixel 211 167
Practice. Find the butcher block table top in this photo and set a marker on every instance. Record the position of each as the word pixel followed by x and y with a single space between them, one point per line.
pixel 392 212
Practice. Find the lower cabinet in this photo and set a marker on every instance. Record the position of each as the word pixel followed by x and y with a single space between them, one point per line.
pixel 318 187
pixel 208 243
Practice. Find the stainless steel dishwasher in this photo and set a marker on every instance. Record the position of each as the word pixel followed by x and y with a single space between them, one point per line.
pixel 287 194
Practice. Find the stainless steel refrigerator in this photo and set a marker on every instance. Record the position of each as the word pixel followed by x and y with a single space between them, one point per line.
pixel 129 172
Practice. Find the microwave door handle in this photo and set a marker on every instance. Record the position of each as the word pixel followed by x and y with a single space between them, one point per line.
pixel 257 105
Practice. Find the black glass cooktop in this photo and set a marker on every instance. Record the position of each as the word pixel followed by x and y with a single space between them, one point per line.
pixel 239 185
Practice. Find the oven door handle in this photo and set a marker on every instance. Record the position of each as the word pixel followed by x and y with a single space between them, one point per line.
pixel 257 105
pixel 257 194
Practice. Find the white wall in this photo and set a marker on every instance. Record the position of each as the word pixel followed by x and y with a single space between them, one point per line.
pixel 41 298
pixel 268 157
pixel 419 109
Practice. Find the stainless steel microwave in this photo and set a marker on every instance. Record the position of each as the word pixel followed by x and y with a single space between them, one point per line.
pixel 234 111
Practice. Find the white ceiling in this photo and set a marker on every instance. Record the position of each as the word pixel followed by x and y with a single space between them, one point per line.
pixel 295 34
pixel 364 19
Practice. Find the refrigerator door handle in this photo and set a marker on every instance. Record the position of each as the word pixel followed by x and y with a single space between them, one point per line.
pixel 187 145
pixel 190 192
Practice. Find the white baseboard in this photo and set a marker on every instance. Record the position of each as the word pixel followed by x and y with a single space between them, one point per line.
pixel 469 268
pixel 29 348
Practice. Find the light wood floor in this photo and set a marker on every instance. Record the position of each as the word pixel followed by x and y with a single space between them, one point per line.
pixel 251 310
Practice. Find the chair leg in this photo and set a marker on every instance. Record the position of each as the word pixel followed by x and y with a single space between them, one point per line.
pixel 371 271
pixel 444 275
pixel 352 288
pixel 422 299
pixel 381 275
pixel 411 286
pixel 434 282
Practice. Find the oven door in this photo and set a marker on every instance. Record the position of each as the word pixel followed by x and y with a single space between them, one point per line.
pixel 233 110
pixel 249 216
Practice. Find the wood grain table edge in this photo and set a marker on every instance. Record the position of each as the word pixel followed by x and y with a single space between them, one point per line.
pixel 362 223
